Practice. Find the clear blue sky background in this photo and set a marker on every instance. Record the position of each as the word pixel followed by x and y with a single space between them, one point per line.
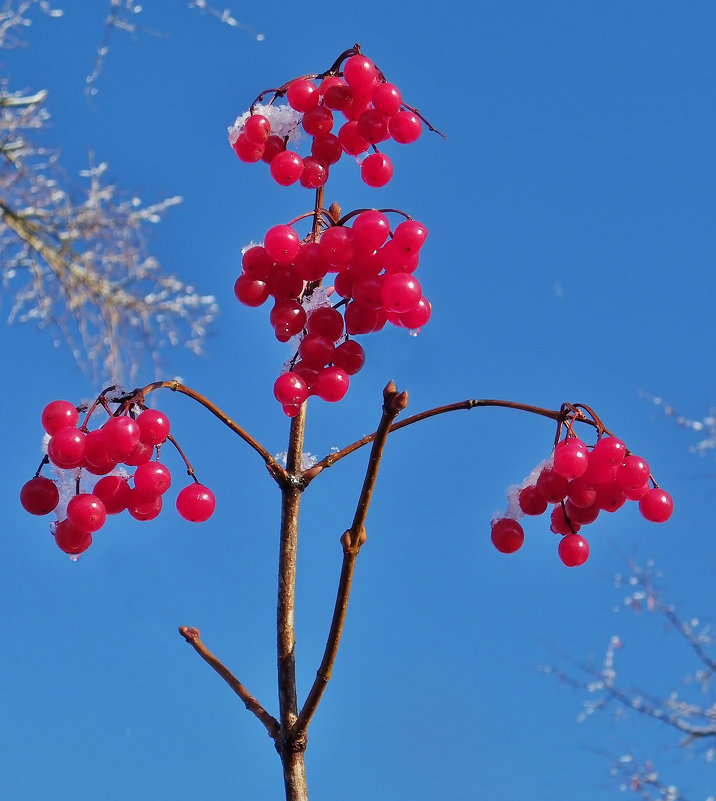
pixel 571 257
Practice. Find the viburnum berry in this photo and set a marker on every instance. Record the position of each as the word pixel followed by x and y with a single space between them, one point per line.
pixel 154 427
pixel 59 414
pixel 610 496
pixel 400 292
pixel 336 245
pixel 327 321
pixel 507 535
pixel 387 98
pixel 289 388
pixel 551 486
pixel 318 121
pixel 281 244
pixel 331 384
pixel 152 478
pixel 286 167
pixel 122 435
pixel 144 506
pixel 257 128
pixel 370 230
pixel 315 173
pixel 417 317
pixel 531 502
pixel 633 472
pixel 570 458
pixel 39 496
pixel 114 492
pixel 351 140
pixel 308 264
pixel 581 493
pixel 349 356
pixel 273 146
pixel 86 512
pixel 251 292
pixel 573 550
pixel 376 170
pixel 302 94
pixel 360 72
pixel 196 503
pixel 287 318
pixel 327 148
pixel 316 350
pixel 96 457
pixel 405 127
pixel 608 450
pixel 373 126
pixel 337 95
pixel 246 150
pixel 70 539
pixel 140 454
pixel 656 505
pixel 561 523
pixel 581 514
pixel 66 448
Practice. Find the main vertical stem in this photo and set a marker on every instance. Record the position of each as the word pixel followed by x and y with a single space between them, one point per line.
pixel 290 749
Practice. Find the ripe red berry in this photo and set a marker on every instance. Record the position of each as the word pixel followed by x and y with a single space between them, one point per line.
pixel 318 121
pixel 287 318
pixel 570 458
pixel 308 264
pixel 70 539
pixel 531 502
pixel 370 230
pixel 360 72
pixel 573 550
pixel 196 503
pixel 581 493
pixel 140 454
pixel 281 244
pixel 153 427
pixel 581 514
pixel 400 292
pixel 608 450
pixel 349 356
pixel 39 496
pixel 551 486
pixel 86 512
pixel 302 94
pixel 114 492
pixel 59 414
pixel 561 522
pixel 656 505
pixel 336 245
pixel 507 535
pixel 316 350
pixel 351 140
pixel 257 129
pixel 405 127
pixel 144 506
pixel 246 150
pixel 251 292
pixel 152 478
pixel 387 98
pixel 376 170
pixel 417 317
pixel 96 458
pixel 274 145
pixel 286 167
pixel 327 321
pixel 315 173
pixel 610 496
pixel 122 436
pixel 290 389
pixel 331 384
pixel 373 126
pixel 66 449
pixel 327 148
pixel 633 472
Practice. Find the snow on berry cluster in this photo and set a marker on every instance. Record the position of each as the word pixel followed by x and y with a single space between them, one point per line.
pixel 374 284
pixel 578 484
pixel 104 461
pixel 373 110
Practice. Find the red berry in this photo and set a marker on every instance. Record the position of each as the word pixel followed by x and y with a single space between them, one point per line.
pixel 573 550
pixel 327 148
pixel 331 384
pixel 349 356
pixel 401 292
pixel 285 282
pixel 289 388
pixel 196 503
pixel 581 514
pixel 66 449
pixel 405 127
pixel 561 522
pixel 610 496
pixel 376 170
pixel 114 492
pixel 140 454
pixel 287 318
pixel 633 472
pixel 274 145
pixel 152 478
pixel 153 427
pixel 570 458
pixel 360 72
pixel 247 150
pixel 656 505
pixel 327 321
pixel 417 317
pixel 318 121
pixel 39 496
pixel 59 414
pixel 351 140
pixel 336 245
pixel 551 486
pixel 608 450
pixel 257 129
pixel 96 457
pixel 507 535
pixel 338 95
pixel 286 167
pixel 302 94
pixel 315 173
pixel 387 98
pixel 122 435
pixel 257 263
pixel 86 512
pixel 70 539
pixel 370 230
pixel 250 292
pixel 281 244
pixel 316 350
pixel 531 502
pixel 144 506
pixel 308 264
pixel 373 126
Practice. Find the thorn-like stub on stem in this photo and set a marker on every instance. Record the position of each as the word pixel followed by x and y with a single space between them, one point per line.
pixel 312 472
pixel 334 212
pixel 189 634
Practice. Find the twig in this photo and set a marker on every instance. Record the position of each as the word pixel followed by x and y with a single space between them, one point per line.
pixel 352 540
pixel 191 635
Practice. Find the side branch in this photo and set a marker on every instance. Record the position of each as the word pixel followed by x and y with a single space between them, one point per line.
pixel 278 473
pixel 269 721
pixel 328 461
pixel 352 540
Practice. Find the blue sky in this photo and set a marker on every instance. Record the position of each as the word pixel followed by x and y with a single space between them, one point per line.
pixel 570 258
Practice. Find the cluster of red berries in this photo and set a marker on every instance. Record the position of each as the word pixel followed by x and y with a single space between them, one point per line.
pixel 374 112
pixel 374 277
pixel 579 483
pixel 122 440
